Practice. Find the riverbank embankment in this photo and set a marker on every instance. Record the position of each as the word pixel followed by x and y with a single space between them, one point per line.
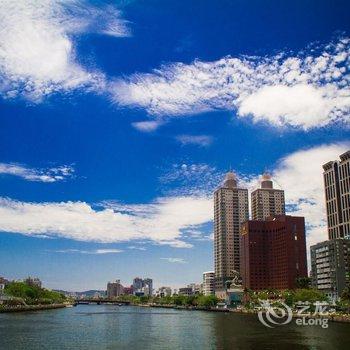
pixel 23 308
pixel 331 317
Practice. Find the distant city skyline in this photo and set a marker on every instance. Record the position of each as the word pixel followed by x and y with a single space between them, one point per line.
pixel 122 118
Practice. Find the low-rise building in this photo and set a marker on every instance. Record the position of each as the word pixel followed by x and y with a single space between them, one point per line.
pixel 330 265
pixel 4 281
pixel 128 290
pixel 164 292
pixel 187 291
pixel 197 288
pixel 33 281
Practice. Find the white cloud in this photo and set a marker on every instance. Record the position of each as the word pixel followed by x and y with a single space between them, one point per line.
pixel 96 251
pixel 161 221
pixel 37 53
pixel 107 251
pixel 199 140
pixel 133 247
pixel 146 126
pixel 307 90
pixel 169 220
pixel 175 260
pixel 40 175
pixel 296 105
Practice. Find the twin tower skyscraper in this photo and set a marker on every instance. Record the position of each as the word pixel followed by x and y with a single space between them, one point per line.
pixel 231 209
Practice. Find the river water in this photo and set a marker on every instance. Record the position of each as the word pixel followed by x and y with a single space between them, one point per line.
pixel 130 327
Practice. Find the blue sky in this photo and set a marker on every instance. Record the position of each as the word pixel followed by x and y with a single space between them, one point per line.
pixel 119 119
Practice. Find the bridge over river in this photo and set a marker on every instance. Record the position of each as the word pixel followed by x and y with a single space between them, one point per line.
pixel 100 301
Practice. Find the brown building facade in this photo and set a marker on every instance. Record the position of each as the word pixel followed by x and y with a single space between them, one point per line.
pixel 230 211
pixel 273 252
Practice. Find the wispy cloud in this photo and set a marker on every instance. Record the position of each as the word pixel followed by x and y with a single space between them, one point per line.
pixel 175 260
pixel 198 235
pixel 147 126
pixel 54 174
pixel 307 90
pixel 199 140
pixel 94 252
pixel 192 178
pixel 37 53
pixel 133 247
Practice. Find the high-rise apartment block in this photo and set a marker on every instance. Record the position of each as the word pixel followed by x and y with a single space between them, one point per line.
pixel 230 211
pixel 337 190
pixel 267 201
pixel 142 286
pixel 273 252
pixel 209 283
pixel 137 284
pixel 148 286
pixel 330 266
pixel 114 289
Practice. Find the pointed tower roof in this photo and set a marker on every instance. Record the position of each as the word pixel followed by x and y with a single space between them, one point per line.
pixel 266 181
pixel 230 180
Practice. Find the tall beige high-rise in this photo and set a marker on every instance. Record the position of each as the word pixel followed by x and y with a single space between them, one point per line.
pixel 267 201
pixel 230 211
pixel 336 177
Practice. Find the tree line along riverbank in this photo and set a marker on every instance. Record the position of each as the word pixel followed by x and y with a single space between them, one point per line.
pixel 21 296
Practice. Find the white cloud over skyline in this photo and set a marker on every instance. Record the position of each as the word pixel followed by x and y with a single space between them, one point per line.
pixel 53 174
pixel 307 90
pixel 173 219
pixel 37 51
pixel 300 175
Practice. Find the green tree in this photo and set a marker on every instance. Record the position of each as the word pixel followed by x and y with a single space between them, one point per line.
pixel 207 301
pixel 303 282
pixel 33 294
pixel 311 295
pixel 345 295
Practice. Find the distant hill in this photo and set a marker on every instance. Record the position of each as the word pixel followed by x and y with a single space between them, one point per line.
pixel 88 293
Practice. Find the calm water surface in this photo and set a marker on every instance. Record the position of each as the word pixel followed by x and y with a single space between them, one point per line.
pixel 128 327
